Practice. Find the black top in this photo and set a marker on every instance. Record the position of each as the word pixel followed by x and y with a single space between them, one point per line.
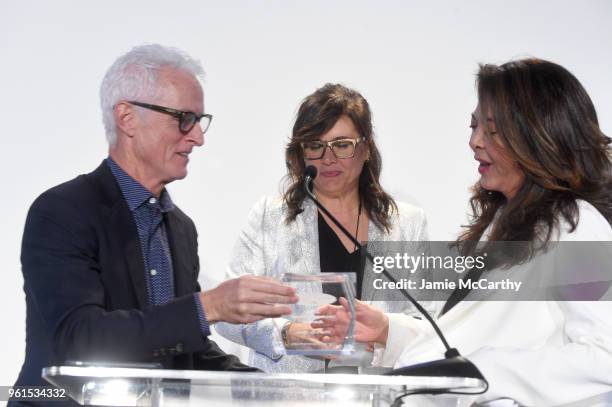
pixel 334 257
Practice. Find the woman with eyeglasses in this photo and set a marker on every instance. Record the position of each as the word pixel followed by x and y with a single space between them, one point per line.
pixel 333 132
pixel 546 180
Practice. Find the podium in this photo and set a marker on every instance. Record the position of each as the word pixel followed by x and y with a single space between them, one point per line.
pixel 126 386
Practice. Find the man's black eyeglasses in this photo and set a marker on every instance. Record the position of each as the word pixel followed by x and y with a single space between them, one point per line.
pixel 186 119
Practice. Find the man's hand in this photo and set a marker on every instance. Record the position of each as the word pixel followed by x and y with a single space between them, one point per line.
pixel 247 299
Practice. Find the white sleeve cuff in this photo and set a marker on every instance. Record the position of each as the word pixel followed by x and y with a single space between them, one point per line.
pixel 402 330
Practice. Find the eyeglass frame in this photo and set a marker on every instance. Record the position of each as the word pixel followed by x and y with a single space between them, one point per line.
pixel 178 114
pixel 328 144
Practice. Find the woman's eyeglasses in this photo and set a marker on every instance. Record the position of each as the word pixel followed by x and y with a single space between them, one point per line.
pixel 341 148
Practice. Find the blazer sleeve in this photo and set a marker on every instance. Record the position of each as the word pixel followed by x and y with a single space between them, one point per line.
pixel 247 257
pixel 403 327
pixel 62 275
pixel 213 358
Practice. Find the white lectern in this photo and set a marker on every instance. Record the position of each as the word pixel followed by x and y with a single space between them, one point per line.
pixel 118 386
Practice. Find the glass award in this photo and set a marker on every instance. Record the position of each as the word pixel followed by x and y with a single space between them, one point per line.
pixel 315 292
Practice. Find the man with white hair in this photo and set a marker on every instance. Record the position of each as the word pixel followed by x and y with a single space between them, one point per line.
pixel 110 263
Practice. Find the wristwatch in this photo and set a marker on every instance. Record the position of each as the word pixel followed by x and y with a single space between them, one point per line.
pixel 285 334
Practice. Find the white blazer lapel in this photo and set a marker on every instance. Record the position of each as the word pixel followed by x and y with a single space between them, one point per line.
pixel 375 234
pixel 306 240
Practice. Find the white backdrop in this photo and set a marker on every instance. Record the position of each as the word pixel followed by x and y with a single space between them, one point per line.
pixel 413 61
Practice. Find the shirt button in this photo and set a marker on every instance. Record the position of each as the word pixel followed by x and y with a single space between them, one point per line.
pixel 153 272
pixel 152 200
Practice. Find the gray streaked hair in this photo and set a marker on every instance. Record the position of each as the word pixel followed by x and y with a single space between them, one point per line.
pixel 133 76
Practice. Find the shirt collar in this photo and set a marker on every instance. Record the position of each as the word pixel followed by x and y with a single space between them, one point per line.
pixel 134 193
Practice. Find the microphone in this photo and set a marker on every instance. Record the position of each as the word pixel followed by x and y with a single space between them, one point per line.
pixel 310 173
pixel 453 364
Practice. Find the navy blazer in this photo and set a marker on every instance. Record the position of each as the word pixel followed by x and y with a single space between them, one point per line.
pixel 85 287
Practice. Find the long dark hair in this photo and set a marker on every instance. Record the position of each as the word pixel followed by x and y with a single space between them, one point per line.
pixel 548 126
pixel 317 114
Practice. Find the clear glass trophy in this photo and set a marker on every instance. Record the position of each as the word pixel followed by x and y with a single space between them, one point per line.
pixel 316 291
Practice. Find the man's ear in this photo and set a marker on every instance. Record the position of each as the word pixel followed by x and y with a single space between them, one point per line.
pixel 126 118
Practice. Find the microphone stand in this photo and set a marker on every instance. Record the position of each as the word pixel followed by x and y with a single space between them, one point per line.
pixel 453 364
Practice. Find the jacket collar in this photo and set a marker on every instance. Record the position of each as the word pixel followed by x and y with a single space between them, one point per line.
pixel 123 227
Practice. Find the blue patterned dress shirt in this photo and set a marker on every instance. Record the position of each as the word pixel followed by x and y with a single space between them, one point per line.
pixel 148 213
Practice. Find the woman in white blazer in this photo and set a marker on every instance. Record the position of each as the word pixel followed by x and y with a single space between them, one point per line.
pixel 333 132
pixel 545 176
